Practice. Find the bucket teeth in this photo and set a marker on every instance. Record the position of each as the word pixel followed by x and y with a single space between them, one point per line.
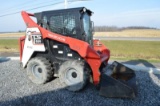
pixel 118 81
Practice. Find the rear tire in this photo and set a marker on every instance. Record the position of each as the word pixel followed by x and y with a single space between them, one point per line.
pixel 39 70
pixel 73 75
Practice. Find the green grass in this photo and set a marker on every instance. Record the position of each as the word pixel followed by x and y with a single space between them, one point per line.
pixel 9 45
pixel 148 50
pixel 120 50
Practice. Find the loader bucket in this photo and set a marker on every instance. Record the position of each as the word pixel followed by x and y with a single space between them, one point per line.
pixel 118 81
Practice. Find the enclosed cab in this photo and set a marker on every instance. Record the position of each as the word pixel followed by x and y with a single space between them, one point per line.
pixel 75 23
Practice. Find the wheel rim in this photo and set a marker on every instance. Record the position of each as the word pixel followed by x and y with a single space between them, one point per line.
pixel 37 71
pixel 72 76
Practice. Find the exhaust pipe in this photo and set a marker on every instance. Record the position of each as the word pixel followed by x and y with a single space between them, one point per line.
pixel 118 81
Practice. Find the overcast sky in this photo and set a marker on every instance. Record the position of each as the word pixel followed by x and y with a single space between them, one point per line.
pixel 119 13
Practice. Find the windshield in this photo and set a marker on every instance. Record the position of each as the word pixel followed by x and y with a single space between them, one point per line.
pixel 87 28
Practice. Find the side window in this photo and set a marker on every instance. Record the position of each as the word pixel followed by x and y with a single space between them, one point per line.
pixel 63 24
pixel 45 22
pixel 56 24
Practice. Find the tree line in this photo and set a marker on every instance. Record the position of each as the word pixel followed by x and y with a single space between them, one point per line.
pixel 115 28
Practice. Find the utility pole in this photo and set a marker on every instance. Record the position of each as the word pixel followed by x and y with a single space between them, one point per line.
pixel 65 4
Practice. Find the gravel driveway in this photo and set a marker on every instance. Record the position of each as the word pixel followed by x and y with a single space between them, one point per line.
pixel 17 90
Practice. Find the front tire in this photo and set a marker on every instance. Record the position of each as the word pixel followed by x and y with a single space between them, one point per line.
pixel 73 75
pixel 39 70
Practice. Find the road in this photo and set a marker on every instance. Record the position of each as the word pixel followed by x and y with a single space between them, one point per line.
pixel 17 90
pixel 9 54
pixel 112 38
pixel 130 38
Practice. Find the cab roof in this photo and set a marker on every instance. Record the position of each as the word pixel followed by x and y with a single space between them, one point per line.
pixel 79 9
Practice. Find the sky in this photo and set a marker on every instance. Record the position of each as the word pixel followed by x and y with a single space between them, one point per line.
pixel 120 13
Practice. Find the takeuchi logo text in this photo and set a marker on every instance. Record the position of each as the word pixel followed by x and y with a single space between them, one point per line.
pixel 57 37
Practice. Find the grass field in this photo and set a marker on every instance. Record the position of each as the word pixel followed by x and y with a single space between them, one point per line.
pixel 12 34
pixel 8 45
pixel 123 50
pixel 131 33
pixel 148 50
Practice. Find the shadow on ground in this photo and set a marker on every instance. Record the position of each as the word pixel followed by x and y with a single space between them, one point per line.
pixel 4 59
pixel 140 62
pixel 148 94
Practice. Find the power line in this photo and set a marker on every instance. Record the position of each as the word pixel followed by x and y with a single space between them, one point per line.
pixel 40 7
pixel 27 4
pixel 24 3
pixel 43 3
pixel 31 9
pixel 44 6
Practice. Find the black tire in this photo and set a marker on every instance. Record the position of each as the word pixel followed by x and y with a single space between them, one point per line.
pixel 39 70
pixel 73 75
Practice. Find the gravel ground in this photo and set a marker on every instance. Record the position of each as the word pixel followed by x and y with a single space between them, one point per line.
pixel 17 90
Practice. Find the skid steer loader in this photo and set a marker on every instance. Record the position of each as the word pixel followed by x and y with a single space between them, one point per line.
pixel 60 44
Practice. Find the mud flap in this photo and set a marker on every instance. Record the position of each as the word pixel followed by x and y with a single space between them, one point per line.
pixel 120 83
